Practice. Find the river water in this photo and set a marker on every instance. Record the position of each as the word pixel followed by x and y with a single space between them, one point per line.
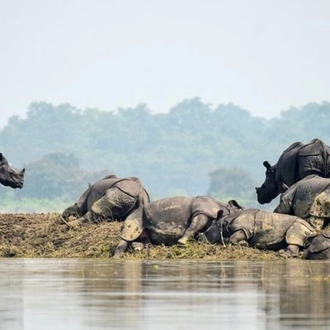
pixel 123 294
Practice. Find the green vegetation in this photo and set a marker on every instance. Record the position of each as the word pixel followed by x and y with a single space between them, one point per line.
pixel 194 149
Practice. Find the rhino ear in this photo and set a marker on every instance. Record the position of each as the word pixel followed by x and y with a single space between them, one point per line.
pixel 220 214
pixel 283 187
pixel 233 203
pixel 3 160
pixel 266 164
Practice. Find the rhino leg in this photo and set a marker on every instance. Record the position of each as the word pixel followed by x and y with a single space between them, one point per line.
pixel 121 248
pixel 114 205
pixel 297 236
pixel 291 250
pixel 239 238
pixel 197 224
pixel 138 246
pixel 85 219
pixel 88 217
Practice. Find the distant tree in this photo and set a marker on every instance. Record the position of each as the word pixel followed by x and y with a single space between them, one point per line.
pixel 57 175
pixel 232 183
pixel 170 152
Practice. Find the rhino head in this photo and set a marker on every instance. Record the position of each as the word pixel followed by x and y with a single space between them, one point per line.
pixel 216 232
pixel 271 188
pixel 9 176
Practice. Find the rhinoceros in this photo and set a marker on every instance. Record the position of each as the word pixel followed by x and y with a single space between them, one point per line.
pixel 319 248
pixel 170 221
pixel 295 163
pixel 111 198
pixel 9 176
pixel 309 199
pixel 261 229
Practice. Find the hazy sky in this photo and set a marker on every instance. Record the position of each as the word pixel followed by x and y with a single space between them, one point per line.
pixel 264 56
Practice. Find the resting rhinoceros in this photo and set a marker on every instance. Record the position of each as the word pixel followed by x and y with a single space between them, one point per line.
pixel 110 198
pixel 319 248
pixel 295 163
pixel 171 220
pixel 9 176
pixel 261 229
pixel 309 199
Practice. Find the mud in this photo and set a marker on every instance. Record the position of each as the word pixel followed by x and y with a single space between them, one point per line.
pixel 40 235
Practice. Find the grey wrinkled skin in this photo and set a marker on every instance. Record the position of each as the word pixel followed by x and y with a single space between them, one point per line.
pixel 110 198
pixel 9 177
pixel 263 230
pixel 309 199
pixel 171 220
pixel 295 163
pixel 319 248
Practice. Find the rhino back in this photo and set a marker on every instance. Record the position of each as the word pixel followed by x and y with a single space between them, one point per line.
pixel 168 211
pixel 313 158
pixel 166 219
pixel 306 192
pixel 131 186
pixel 286 167
pixel 207 206
pixel 98 190
pixel 270 228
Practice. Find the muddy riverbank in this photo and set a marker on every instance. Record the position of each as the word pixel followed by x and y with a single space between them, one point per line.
pixel 40 235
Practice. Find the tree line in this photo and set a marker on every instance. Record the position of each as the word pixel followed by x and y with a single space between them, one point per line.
pixel 194 149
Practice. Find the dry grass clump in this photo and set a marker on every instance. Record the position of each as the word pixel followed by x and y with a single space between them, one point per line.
pixel 46 235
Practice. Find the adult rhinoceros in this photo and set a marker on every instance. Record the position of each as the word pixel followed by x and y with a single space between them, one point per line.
pixel 295 163
pixel 309 199
pixel 110 198
pixel 261 229
pixel 9 176
pixel 171 220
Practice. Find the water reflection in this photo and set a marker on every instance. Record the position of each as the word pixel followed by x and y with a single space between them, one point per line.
pixel 119 294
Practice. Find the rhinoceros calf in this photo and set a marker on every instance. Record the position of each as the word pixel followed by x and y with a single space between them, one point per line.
pixel 319 248
pixel 9 176
pixel 261 229
pixel 171 220
pixel 110 198
pixel 296 162
pixel 309 199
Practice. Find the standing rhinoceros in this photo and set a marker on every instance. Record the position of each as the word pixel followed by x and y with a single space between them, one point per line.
pixel 261 229
pixel 319 248
pixel 9 176
pixel 295 163
pixel 171 220
pixel 309 199
pixel 110 198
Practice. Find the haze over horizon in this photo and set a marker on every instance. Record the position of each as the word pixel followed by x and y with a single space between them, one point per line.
pixel 264 56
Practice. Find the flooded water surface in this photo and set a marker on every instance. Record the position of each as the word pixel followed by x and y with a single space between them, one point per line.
pixel 123 294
